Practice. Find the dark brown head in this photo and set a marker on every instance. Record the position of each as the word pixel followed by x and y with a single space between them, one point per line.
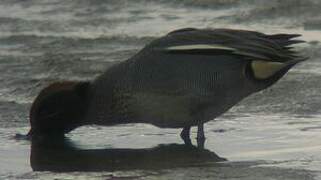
pixel 59 108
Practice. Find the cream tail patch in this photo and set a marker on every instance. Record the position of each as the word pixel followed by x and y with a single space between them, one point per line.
pixel 266 69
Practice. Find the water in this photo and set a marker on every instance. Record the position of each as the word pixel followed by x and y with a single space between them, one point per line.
pixel 273 134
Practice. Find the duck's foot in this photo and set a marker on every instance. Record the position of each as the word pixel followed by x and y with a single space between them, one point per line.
pixel 185 135
pixel 200 136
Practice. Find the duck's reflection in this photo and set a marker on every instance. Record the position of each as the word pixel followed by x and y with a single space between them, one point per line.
pixel 62 156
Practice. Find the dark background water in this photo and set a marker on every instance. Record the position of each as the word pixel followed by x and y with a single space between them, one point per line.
pixel 274 134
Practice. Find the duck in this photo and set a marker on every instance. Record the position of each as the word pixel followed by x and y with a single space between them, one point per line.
pixel 186 78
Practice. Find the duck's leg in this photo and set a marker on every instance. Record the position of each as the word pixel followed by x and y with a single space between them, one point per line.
pixel 185 135
pixel 200 135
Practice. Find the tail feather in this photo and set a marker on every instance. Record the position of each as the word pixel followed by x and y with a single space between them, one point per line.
pixel 290 42
pixel 284 36
pixel 248 44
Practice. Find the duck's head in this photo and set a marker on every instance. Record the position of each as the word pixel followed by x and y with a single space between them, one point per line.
pixel 58 109
pixel 265 73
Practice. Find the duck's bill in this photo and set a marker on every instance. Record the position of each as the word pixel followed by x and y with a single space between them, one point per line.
pixel 35 134
pixel 19 136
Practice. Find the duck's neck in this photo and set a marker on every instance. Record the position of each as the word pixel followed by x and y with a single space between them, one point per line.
pixel 82 90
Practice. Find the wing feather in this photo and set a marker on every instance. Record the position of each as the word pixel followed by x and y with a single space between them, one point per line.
pixel 247 44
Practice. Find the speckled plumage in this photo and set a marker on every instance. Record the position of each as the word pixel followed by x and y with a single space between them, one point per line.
pixel 183 88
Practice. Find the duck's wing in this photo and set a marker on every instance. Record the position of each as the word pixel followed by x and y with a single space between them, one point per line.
pixel 246 44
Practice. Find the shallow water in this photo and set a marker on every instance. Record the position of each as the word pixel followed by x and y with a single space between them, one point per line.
pixel 274 134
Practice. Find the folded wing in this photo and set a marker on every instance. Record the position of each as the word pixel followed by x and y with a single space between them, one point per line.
pixel 246 44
